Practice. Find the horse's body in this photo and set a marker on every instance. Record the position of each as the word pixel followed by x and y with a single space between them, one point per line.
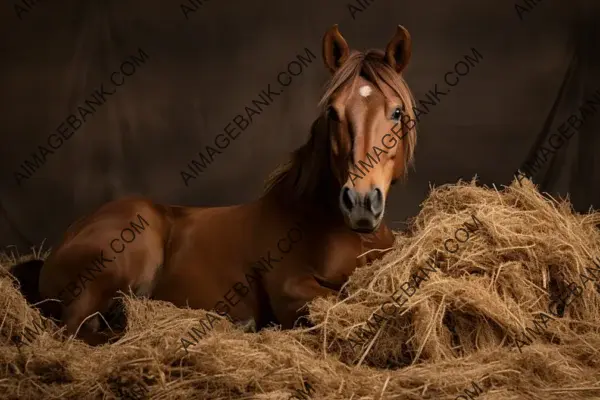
pixel 203 253
pixel 203 257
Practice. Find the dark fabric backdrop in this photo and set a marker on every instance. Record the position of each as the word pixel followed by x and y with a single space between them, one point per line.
pixel 203 70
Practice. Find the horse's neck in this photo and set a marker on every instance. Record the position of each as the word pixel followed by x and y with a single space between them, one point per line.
pixel 309 191
pixel 308 206
pixel 308 186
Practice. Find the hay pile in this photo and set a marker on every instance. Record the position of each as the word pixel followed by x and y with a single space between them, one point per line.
pixel 458 328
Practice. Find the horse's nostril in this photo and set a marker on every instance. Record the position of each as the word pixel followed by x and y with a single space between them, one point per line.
pixel 347 199
pixel 374 202
pixel 378 196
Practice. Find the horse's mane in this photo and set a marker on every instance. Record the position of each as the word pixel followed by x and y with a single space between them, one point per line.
pixel 302 173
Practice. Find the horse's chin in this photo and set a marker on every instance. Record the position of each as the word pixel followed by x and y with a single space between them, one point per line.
pixel 363 229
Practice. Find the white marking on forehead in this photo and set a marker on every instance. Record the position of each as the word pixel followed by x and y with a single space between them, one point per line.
pixel 365 91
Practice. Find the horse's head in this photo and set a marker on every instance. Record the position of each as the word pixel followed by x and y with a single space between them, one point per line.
pixel 370 119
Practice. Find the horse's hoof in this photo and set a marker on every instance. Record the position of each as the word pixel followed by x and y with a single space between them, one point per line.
pixel 344 293
pixel 248 326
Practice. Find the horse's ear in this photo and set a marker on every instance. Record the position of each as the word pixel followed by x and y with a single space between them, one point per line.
pixel 398 50
pixel 335 49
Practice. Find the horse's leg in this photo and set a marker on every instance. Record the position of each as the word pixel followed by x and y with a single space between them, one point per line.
pixel 297 293
pixel 80 309
pixel 102 300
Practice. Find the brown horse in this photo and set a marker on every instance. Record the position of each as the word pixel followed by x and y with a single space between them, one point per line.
pixel 312 226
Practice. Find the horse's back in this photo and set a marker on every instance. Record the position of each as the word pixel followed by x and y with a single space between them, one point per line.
pixel 113 243
pixel 115 214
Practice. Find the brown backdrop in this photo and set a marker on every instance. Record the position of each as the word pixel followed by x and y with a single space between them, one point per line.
pixel 202 71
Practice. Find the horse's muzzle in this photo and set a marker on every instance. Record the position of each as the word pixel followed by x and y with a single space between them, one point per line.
pixel 362 212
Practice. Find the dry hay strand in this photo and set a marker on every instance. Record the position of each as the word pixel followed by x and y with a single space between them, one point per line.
pixel 458 327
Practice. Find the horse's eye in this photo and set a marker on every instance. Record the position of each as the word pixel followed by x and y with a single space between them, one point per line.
pixel 397 114
pixel 332 114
